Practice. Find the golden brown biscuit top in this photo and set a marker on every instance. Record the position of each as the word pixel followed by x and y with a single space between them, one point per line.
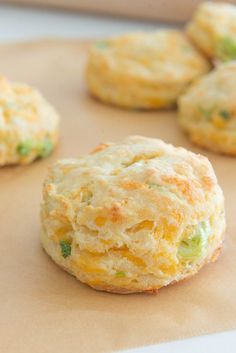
pixel 22 106
pixel 220 17
pixel 136 183
pixel 215 23
pixel 213 97
pixel 164 55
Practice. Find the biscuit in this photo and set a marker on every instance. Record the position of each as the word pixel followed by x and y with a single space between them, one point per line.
pixel 28 124
pixel 213 30
pixel 207 111
pixel 133 216
pixel 143 70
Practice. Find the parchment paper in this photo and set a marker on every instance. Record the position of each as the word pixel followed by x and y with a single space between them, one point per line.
pixel 45 310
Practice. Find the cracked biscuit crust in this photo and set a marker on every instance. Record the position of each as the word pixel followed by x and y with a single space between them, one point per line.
pixel 132 216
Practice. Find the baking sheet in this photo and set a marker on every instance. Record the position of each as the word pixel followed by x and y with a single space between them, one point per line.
pixel 45 310
pixel 162 10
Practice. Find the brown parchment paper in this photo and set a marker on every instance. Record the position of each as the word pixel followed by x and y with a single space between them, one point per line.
pixel 163 10
pixel 45 310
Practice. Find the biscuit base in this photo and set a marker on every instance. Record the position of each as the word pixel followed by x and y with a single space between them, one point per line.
pixel 52 251
pixel 204 140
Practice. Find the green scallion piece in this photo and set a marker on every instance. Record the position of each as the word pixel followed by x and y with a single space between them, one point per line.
pixel 65 248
